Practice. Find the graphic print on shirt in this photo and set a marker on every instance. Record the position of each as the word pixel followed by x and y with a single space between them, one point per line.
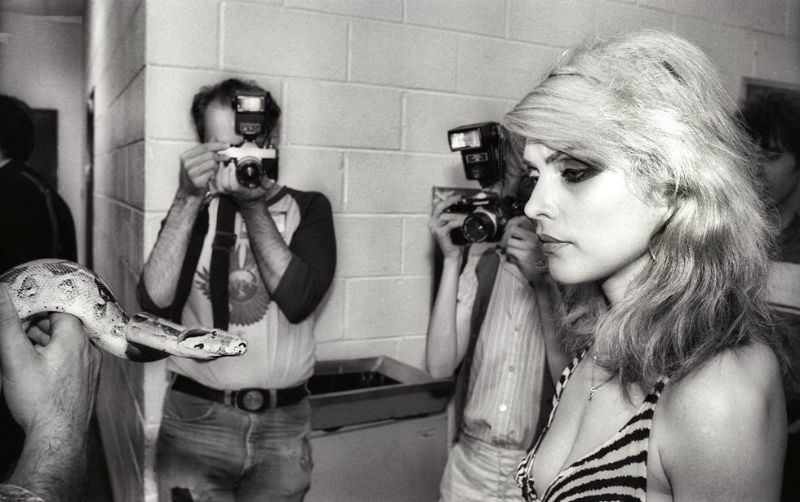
pixel 247 296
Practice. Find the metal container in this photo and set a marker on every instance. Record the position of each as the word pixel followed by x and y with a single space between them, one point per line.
pixel 356 391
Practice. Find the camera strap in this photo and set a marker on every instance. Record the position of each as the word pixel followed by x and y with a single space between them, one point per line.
pixel 224 239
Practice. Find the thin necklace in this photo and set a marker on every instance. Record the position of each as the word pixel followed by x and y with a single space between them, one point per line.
pixel 593 388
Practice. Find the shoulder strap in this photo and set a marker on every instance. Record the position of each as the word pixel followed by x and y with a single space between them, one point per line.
pixel 224 239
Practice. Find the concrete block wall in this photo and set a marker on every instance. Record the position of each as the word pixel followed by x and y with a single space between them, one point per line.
pixel 115 70
pixel 369 89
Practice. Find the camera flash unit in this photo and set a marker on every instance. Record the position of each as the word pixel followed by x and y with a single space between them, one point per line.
pixel 480 147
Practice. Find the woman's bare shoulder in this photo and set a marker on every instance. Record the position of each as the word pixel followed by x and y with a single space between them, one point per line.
pixel 712 425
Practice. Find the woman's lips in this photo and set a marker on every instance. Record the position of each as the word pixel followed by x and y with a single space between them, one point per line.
pixel 550 244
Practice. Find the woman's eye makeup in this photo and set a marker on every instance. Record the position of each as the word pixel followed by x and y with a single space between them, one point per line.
pixel 574 170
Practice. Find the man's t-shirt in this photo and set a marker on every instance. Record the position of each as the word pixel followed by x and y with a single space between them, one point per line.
pixel 278 326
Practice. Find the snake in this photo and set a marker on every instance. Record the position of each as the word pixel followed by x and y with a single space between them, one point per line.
pixel 55 285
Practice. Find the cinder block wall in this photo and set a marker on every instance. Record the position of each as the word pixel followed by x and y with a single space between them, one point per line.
pixel 368 89
pixel 115 70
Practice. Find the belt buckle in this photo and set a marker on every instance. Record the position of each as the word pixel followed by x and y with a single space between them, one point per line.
pixel 252 400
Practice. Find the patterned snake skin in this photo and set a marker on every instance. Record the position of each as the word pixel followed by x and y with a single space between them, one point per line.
pixel 51 285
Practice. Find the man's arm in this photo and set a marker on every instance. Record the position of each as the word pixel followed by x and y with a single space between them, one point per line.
pixel 298 275
pixel 50 391
pixel 163 267
pixel 271 252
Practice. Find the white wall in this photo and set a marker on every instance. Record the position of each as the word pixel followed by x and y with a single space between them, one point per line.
pixel 42 64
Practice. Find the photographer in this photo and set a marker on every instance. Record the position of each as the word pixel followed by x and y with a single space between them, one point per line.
pixel 493 317
pixel 237 429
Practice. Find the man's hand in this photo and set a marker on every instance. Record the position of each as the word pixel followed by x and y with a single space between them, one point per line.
pixel 523 249
pixel 49 389
pixel 229 185
pixel 441 224
pixel 198 166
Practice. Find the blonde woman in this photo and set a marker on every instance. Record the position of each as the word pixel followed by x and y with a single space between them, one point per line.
pixel 648 211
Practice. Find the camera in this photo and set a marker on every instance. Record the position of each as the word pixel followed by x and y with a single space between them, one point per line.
pixel 482 150
pixel 487 215
pixel 481 147
pixel 253 161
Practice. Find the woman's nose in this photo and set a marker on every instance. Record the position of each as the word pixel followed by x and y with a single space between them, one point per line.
pixel 539 206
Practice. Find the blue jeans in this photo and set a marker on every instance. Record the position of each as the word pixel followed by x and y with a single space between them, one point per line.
pixel 210 451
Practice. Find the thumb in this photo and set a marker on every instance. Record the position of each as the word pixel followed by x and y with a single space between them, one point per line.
pixel 15 349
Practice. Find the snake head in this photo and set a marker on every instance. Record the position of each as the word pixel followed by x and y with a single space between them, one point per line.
pixel 199 343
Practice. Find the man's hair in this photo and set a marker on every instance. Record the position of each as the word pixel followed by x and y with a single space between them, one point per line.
pixel 16 128
pixel 654 102
pixel 773 120
pixel 223 93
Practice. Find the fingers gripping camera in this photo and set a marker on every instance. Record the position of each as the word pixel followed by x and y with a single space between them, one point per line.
pixel 487 215
pixel 252 162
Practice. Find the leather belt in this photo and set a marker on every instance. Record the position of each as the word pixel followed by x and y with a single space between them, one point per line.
pixel 250 399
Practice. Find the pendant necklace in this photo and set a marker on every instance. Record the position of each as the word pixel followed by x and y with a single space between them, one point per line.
pixel 593 388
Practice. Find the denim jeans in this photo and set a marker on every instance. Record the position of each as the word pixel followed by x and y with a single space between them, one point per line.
pixel 210 451
pixel 479 472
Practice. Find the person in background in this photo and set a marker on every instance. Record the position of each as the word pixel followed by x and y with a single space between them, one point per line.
pixel 773 120
pixel 649 212
pixel 491 321
pixel 238 429
pixel 49 381
pixel 35 222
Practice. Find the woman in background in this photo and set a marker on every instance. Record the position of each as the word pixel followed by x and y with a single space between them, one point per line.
pixel 648 211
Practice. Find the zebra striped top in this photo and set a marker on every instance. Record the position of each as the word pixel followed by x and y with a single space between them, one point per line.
pixel 616 470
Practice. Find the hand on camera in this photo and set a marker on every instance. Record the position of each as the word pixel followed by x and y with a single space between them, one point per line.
pixel 442 223
pixel 228 184
pixel 523 248
pixel 198 167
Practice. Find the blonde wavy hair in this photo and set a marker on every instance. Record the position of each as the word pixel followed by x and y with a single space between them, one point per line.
pixel 656 100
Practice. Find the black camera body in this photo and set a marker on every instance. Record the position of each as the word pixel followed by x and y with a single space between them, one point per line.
pixel 487 216
pixel 253 161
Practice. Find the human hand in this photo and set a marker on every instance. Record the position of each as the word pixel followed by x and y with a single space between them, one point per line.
pixel 48 388
pixel 198 167
pixel 442 223
pixel 523 248
pixel 228 184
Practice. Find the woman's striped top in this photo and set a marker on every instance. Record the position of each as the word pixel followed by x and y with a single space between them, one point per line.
pixel 616 470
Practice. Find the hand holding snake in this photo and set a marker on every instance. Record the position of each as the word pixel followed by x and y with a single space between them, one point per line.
pixel 53 285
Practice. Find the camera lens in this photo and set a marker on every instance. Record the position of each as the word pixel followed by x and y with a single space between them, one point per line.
pixel 248 172
pixel 479 226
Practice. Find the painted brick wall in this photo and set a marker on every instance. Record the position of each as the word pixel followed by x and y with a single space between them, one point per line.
pixel 369 88
pixel 115 70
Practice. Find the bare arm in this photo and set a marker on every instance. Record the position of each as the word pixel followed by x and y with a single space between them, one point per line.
pixel 271 252
pixel 163 267
pixel 721 433
pixel 448 328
